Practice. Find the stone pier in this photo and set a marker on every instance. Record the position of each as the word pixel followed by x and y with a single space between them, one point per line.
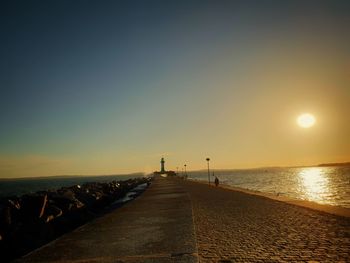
pixel 177 220
pixel 155 227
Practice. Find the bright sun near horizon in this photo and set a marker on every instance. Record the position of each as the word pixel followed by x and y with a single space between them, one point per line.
pixel 246 83
pixel 306 120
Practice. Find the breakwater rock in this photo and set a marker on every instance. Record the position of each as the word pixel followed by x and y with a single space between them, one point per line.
pixel 32 220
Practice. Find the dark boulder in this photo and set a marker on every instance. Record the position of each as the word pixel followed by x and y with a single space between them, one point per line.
pixel 52 212
pixel 33 206
pixel 35 219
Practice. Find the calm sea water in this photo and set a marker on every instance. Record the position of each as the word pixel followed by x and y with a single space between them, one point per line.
pixel 19 187
pixel 324 185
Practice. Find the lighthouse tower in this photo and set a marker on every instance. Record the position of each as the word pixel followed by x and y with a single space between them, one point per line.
pixel 162 171
pixel 162 162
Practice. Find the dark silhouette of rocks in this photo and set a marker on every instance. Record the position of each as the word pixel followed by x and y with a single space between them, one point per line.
pixel 32 220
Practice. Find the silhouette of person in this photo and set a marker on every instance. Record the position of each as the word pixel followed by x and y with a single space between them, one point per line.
pixel 216 181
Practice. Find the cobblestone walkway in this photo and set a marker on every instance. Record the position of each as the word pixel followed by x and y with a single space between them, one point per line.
pixel 237 227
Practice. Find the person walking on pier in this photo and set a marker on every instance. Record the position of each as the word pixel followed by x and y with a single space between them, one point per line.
pixel 216 181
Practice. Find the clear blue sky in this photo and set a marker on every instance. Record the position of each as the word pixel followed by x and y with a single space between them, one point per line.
pixel 100 87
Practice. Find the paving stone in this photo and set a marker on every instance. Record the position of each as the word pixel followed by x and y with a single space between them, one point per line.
pixel 243 225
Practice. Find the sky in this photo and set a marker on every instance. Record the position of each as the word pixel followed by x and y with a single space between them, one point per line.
pixel 109 87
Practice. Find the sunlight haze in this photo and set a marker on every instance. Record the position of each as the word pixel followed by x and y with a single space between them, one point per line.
pixel 112 88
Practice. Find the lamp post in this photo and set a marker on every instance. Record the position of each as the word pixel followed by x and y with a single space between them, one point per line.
pixel 185 169
pixel 208 159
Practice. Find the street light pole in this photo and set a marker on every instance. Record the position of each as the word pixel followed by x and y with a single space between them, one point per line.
pixel 208 159
pixel 185 170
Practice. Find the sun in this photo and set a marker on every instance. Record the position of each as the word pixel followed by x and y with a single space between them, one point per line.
pixel 306 120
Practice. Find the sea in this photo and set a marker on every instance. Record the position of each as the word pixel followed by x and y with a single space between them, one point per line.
pixel 18 187
pixel 324 185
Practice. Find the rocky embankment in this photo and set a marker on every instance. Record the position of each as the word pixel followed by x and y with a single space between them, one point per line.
pixel 32 220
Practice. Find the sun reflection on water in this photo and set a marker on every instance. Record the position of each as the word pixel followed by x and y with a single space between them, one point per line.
pixel 314 184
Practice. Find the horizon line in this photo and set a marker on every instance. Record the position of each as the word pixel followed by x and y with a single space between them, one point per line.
pixel 197 170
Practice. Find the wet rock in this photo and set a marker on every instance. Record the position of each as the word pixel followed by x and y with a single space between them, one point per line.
pixel 14 203
pixel 33 220
pixel 33 206
pixel 52 212
pixel 65 200
pixel 5 216
pixel 86 198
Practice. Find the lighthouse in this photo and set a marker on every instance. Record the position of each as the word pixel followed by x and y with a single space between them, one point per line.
pixel 162 162
pixel 162 171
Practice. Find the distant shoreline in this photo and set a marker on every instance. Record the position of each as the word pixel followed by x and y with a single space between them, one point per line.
pixel 342 164
pixel 334 164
